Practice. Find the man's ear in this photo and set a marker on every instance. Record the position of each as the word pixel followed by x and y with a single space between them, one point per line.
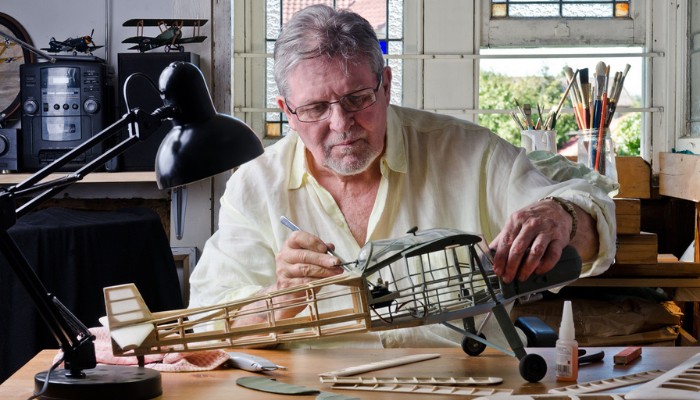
pixel 386 84
pixel 290 118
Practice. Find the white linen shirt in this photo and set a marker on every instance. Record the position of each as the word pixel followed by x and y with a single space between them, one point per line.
pixel 437 172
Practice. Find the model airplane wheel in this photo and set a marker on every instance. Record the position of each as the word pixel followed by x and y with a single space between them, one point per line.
pixel 473 347
pixel 533 367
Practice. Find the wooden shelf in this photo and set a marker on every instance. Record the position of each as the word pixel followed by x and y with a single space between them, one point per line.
pixel 95 177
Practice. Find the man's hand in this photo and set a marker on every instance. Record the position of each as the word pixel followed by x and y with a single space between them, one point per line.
pixel 301 259
pixel 532 240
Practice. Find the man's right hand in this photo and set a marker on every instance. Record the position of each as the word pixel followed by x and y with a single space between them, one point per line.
pixel 302 259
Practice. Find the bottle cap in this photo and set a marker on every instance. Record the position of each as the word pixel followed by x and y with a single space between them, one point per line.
pixel 566 330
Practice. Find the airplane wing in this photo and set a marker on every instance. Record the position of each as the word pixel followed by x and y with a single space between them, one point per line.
pixel 169 22
pixel 196 39
pixel 138 39
pixel 128 318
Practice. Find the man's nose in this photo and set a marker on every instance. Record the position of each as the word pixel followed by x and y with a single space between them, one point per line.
pixel 340 120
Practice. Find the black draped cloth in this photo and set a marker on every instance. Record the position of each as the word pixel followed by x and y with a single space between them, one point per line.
pixel 76 254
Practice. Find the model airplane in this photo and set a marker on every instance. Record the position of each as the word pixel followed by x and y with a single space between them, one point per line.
pixel 78 45
pixel 170 34
pixel 436 276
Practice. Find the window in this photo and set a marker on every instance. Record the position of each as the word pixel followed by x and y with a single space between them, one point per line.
pixel 385 16
pixel 693 94
pixel 541 55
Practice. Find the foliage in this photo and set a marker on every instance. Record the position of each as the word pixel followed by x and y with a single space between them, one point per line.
pixel 499 91
pixel 627 135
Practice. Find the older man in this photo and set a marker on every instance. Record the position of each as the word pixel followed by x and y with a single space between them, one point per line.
pixel 355 168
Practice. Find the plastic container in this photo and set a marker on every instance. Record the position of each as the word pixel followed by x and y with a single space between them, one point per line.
pixel 567 347
pixel 597 154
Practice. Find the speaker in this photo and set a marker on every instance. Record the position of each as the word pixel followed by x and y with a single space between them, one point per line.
pixel 9 150
pixel 142 156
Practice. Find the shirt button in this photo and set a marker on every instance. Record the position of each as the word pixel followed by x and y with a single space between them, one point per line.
pixel 391 342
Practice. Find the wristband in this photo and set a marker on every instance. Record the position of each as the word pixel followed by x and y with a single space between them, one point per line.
pixel 569 207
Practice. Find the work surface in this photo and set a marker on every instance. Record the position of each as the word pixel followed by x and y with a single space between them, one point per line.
pixel 305 365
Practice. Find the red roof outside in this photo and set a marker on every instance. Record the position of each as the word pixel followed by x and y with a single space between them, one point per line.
pixel 373 11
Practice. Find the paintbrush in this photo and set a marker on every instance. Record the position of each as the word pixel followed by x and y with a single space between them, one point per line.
pixel 611 99
pixel 528 116
pixel 540 121
pixel 600 88
pixel 575 96
pixel 517 120
pixel 585 97
pixel 618 91
pixel 601 129
pixel 561 102
pixel 521 112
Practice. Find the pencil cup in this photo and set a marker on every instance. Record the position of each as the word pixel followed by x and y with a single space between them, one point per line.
pixel 597 152
pixel 533 140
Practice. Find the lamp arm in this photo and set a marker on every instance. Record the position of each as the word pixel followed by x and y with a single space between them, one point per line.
pixel 71 334
pixel 141 125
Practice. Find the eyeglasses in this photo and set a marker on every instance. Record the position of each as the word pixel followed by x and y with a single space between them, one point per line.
pixel 353 102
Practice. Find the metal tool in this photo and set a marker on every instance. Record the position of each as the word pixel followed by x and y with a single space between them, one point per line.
pixel 289 224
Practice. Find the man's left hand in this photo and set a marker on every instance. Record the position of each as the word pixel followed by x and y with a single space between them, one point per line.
pixel 531 240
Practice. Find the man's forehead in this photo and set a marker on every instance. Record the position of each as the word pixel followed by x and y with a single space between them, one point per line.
pixel 314 81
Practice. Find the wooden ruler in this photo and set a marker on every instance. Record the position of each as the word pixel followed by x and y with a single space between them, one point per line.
pixel 380 365
pixel 607 384
pixel 465 381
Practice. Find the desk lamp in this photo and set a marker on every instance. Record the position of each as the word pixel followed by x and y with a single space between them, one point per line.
pixel 201 144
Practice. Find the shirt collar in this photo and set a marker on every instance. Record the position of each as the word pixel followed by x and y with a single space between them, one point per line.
pixel 394 156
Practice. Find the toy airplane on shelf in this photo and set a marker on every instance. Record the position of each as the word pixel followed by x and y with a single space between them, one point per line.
pixel 436 276
pixel 170 36
pixel 78 45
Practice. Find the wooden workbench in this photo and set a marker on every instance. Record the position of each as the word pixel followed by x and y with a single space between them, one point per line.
pixel 305 365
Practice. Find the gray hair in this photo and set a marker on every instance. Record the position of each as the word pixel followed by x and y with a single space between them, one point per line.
pixel 320 31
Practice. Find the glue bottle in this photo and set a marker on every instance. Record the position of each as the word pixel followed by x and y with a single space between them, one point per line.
pixel 567 347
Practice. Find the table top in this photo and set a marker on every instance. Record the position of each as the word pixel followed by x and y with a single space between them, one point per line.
pixel 305 365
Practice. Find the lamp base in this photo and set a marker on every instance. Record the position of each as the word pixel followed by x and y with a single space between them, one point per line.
pixel 107 382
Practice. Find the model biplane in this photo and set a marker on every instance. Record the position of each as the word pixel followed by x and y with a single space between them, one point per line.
pixel 78 45
pixel 436 276
pixel 170 37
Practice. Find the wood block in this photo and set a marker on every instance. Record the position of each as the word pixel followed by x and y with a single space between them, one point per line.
pixel 634 176
pixel 666 257
pixel 637 249
pixel 627 216
pixel 627 355
pixel 678 176
pixel 667 269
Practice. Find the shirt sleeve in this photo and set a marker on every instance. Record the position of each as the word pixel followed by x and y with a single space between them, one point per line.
pixel 520 184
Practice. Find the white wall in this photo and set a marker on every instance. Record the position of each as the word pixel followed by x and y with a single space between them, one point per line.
pixel 73 18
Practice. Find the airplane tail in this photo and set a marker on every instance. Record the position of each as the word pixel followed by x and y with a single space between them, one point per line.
pixel 128 318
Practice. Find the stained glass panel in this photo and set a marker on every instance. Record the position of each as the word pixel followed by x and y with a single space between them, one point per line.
pixel 559 8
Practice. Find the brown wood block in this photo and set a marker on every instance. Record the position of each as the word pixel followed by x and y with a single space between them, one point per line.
pixel 678 176
pixel 634 176
pixel 628 216
pixel 637 249
pixel 662 268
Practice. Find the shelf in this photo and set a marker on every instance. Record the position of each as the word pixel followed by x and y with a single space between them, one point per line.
pixel 95 177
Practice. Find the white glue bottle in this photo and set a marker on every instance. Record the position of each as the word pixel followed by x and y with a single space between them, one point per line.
pixel 567 347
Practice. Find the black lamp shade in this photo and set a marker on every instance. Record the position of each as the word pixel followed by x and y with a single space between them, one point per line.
pixel 202 143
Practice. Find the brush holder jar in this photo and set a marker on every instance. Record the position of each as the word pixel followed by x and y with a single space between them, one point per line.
pixel 596 151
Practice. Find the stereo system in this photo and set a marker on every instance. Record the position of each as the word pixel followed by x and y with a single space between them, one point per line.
pixel 63 105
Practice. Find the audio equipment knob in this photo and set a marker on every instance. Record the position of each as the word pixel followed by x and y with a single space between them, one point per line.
pixel 30 106
pixel 4 145
pixel 91 106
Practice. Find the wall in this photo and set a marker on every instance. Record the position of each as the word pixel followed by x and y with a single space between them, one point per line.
pixel 73 18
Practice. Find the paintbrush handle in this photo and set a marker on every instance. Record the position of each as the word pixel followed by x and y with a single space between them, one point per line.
pixel 596 114
pixel 601 137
